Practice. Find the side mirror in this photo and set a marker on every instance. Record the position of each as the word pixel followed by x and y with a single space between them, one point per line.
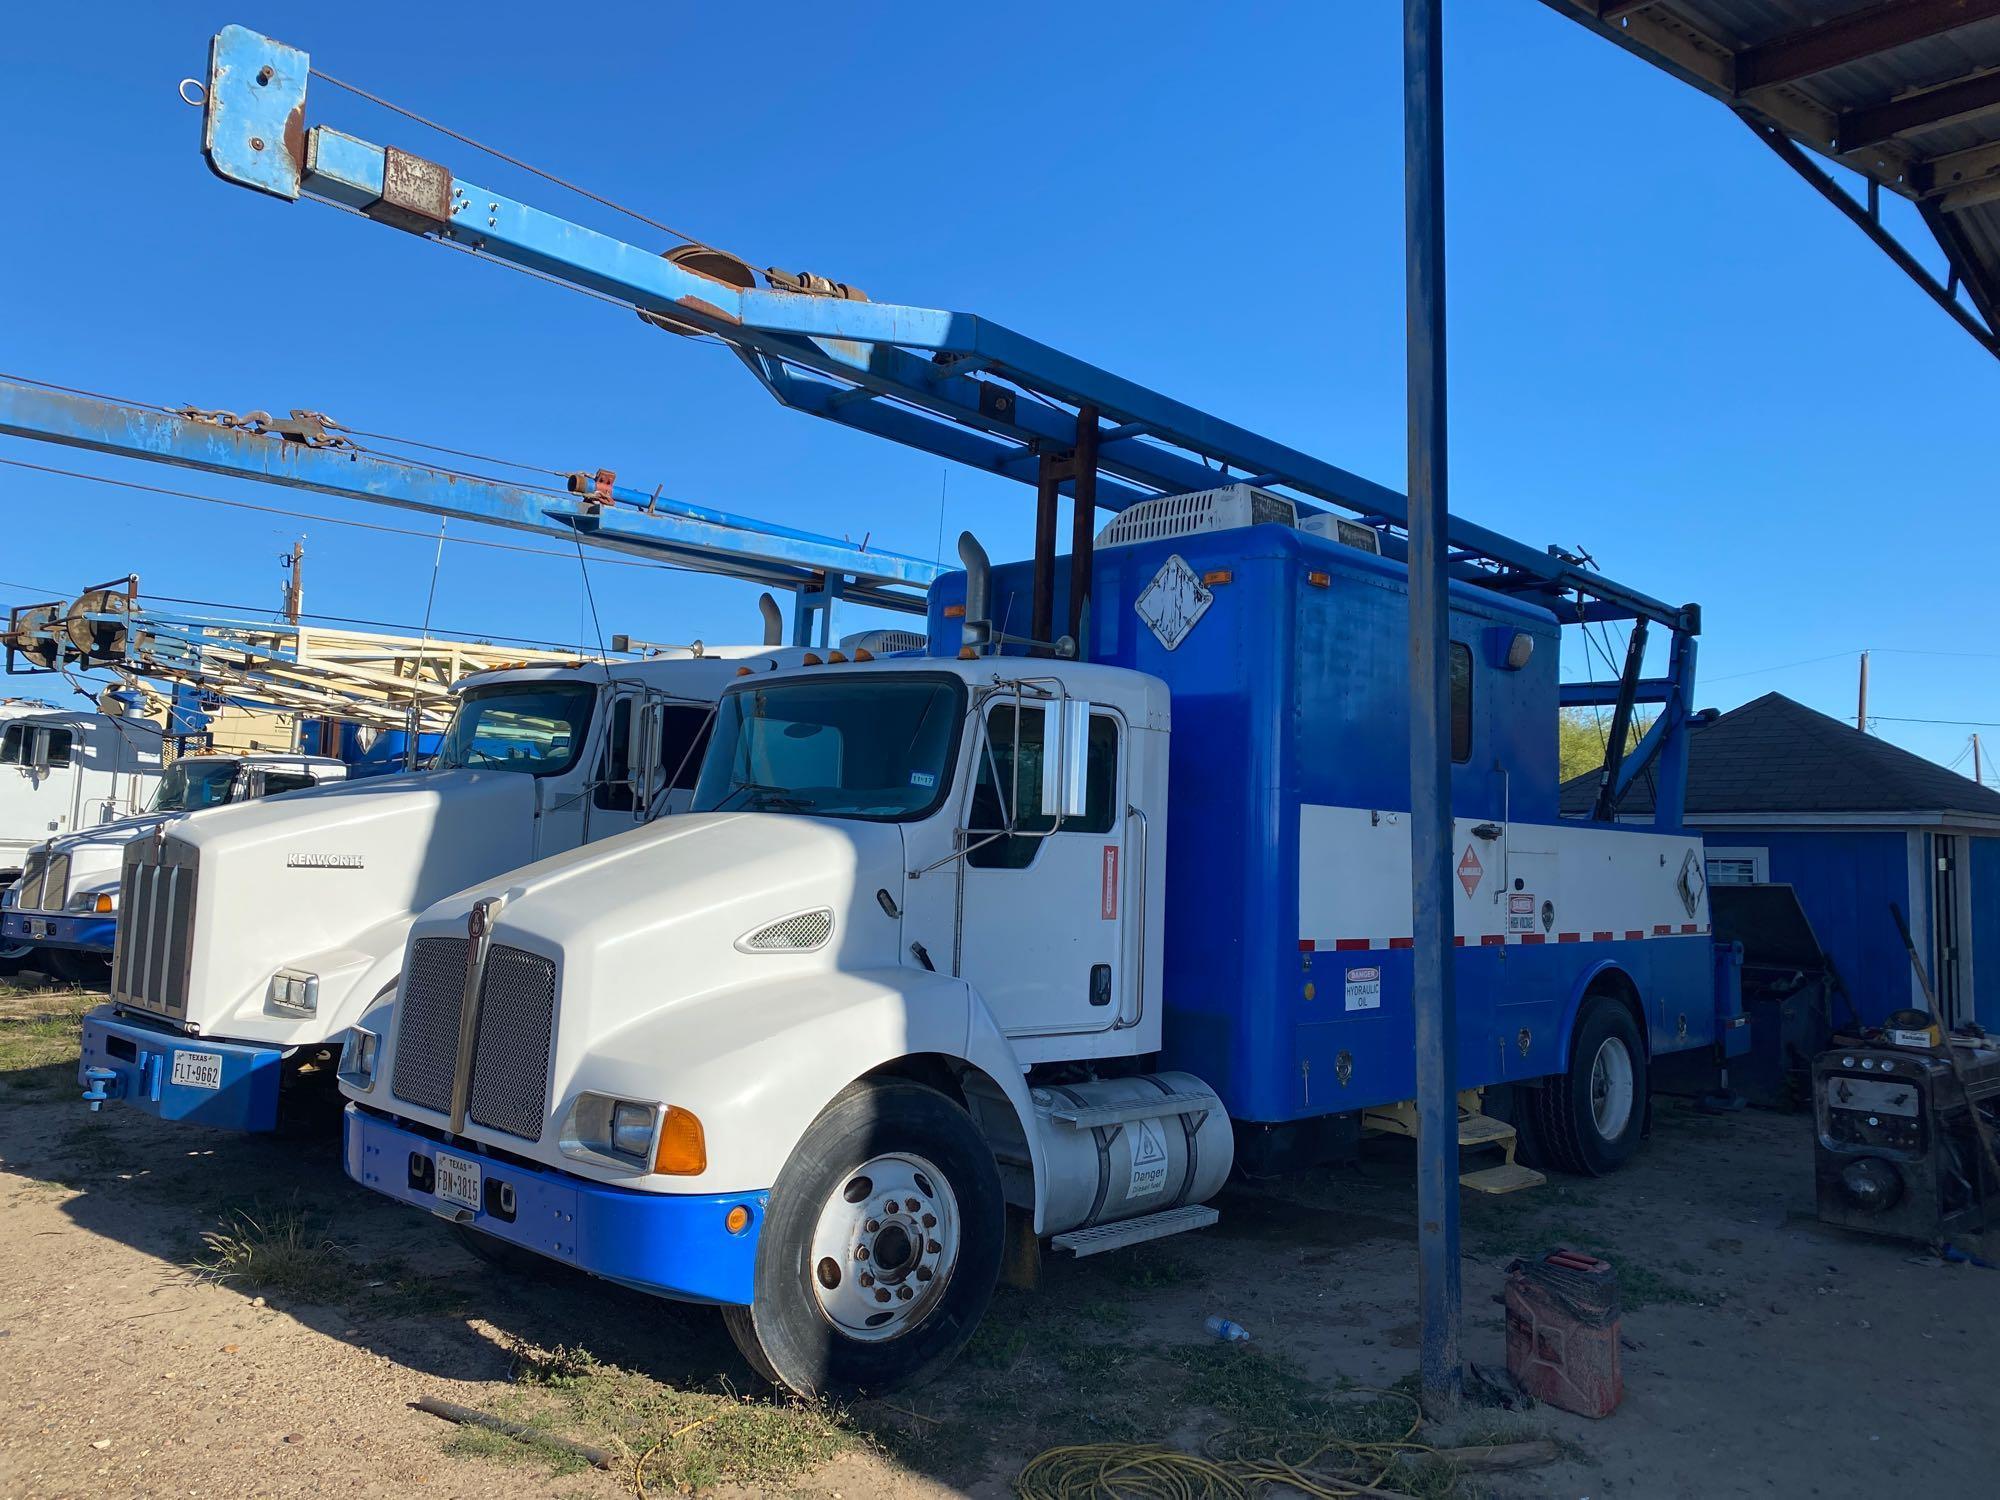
pixel 642 757
pixel 41 752
pixel 1065 754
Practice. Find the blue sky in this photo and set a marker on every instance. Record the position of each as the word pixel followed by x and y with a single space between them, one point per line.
pixel 1664 348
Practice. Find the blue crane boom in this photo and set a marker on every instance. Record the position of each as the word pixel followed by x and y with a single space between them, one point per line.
pixel 949 383
pixel 300 455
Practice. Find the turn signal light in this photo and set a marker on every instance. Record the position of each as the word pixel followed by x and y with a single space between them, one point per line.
pixel 1319 580
pixel 954 611
pixel 682 1151
pixel 737 1219
pixel 1216 576
pixel 105 904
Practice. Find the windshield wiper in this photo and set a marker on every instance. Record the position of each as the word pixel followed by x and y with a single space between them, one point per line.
pixel 767 796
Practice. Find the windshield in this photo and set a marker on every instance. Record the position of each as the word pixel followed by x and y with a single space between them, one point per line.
pixel 190 784
pixel 861 746
pixel 536 727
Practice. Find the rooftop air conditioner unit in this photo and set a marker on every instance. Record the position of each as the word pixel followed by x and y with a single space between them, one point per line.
pixel 1221 509
pixel 1347 533
pixel 885 642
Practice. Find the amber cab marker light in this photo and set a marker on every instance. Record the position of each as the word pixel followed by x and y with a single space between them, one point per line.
pixel 954 611
pixel 811 659
pixel 1215 577
pixel 836 657
pixel 862 653
pixel 737 1219
pixel 1319 580
pixel 682 1151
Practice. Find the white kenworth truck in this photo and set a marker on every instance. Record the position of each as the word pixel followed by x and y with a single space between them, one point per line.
pixel 925 950
pixel 250 937
pixel 62 770
pixel 62 914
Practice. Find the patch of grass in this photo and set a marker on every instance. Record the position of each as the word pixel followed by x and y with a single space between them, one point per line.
pixel 1641 1286
pixel 680 1439
pixel 40 1040
pixel 282 1251
pixel 1150 1268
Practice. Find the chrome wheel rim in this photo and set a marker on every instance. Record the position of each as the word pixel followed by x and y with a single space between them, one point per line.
pixel 884 1247
pixel 1611 1088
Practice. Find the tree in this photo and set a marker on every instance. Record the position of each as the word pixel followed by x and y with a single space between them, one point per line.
pixel 1580 737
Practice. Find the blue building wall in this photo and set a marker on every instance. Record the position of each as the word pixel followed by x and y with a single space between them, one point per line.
pixel 1984 930
pixel 1846 879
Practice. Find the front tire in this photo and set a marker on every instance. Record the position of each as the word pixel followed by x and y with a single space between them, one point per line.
pixel 1589 1121
pixel 881 1247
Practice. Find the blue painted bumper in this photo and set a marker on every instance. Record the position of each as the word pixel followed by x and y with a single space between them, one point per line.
pixel 93 934
pixel 132 1062
pixel 671 1244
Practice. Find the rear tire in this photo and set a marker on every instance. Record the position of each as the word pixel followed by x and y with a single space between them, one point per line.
pixel 501 1254
pixel 881 1247
pixel 87 971
pixel 1589 1121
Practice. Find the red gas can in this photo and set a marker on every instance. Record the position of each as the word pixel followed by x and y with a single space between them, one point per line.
pixel 1562 1332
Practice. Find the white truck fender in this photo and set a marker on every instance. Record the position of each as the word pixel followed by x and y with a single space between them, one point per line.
pixel 757 1064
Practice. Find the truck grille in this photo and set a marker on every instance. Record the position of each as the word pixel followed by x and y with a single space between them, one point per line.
pixel 44 881
pixel 149 964
pixel 427 1023
pixel 510 1054
pixel 510 1060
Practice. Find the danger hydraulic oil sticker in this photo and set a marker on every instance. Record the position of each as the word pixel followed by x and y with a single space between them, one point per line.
pixel 1364 988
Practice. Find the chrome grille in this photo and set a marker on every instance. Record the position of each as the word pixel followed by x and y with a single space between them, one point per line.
pixel 149 964
pixel 510 1060
pixel 427 1023
pixel 807 930
pixel 44 881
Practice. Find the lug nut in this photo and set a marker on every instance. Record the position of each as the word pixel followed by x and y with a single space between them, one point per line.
pixel 881 1295
pixel 930 1221
pixel 865 1279
pixel 861 1252
pixel 924 1273
pixel 904 1293
pixel 889 1206
pixel 872 1225
pixel 933 1246
pixel 910 1205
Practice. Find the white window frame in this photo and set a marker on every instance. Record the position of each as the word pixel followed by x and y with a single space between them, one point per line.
pixel 1758 855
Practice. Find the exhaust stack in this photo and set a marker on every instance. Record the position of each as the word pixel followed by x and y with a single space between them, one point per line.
pixel 977 633
pixel 774 620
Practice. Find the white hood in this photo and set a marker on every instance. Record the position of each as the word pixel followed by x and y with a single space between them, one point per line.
pixel 307 883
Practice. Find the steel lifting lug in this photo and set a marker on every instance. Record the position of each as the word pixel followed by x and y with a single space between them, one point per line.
pixel 101 1090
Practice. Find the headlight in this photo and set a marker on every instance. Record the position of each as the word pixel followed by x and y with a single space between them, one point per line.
pixel 294 989
pixel 357 1057
pixel 103 903
pixel 635 1134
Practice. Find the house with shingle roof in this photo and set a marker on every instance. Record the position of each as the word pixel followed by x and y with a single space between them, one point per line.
pixel 1782 793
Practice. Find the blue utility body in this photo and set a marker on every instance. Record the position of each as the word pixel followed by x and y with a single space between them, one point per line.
pixel 1293 691
pixel 132 1061
pixel 671 1244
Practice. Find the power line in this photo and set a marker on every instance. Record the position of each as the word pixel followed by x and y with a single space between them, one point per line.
pixel 305 515
pixel 1954 723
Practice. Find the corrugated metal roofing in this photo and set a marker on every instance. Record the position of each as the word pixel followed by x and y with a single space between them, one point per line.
pixel 1774 755
pixel 1906 92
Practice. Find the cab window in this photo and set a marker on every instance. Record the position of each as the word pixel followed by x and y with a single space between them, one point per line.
pixel 14 746
pixel 286 781
pixel 684 731
pixel 992 792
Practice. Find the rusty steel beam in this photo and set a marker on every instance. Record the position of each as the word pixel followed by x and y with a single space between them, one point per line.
pixel 1948 101
pixel 1851 38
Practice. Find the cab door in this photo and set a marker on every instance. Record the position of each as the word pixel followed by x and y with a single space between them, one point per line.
pixel 1044 895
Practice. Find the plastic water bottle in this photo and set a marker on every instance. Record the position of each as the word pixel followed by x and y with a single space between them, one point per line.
pixel 1226 1330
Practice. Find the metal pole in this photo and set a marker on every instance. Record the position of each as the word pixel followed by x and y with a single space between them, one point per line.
pixel 1861 700
pixel 1431 835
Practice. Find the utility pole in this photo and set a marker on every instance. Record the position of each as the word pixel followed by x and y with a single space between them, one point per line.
pixel 295 581
pixel 1978 779
pixel 1861 705
pixel 1433 989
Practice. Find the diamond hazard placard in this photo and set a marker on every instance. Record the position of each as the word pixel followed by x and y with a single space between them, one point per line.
pixel 1470 870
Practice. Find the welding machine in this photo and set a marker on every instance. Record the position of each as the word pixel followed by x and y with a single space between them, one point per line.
pixel 1901 1149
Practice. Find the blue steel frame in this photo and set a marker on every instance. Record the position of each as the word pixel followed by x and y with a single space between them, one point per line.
pixel 674 532
pixel 948 383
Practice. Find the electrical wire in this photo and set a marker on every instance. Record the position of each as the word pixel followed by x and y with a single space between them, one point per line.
pixel 1949 723
pixel 273 510
pixel 1232 1465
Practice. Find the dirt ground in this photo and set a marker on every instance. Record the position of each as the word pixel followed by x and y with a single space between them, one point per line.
pixel 1765 1355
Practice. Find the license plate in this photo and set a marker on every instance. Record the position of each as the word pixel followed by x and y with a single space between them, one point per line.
pixel 40 927
pixel 198 1070
pixel 458 1180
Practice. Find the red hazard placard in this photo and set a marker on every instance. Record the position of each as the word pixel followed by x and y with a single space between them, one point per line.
pixel 1110 904
pixel 1469 871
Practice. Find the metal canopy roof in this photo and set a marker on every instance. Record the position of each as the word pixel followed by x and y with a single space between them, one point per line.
pixel 1905 92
